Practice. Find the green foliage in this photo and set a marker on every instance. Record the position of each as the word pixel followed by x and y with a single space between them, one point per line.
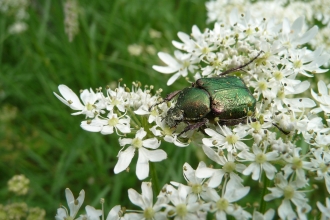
pixel 38 136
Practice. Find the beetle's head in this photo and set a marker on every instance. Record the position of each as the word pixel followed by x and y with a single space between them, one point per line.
pixel 173 117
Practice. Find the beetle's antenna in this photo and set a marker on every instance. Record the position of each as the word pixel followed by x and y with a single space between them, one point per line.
pixel 240 67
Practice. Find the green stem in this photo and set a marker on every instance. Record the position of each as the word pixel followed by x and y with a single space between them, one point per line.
pixel 263 204
pixel 154 179
pixel 134 119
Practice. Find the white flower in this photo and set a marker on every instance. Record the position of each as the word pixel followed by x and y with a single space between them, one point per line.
pixel 117 98
pixel 320 164
pixel 142 167
pixel 225 204
pixel 166 132
pixel 269 215
pixel 325 210
pixel 196 187
pixel 290 193
pixel 74 205
pixel 178 65
pixel 227 139
pixel 304 60
pixel 145 201
pixel 185 207
pixel 295 163
pixel 107 125
pixel 91 214
pixel 89 98
pixel 322 97
pixel 116 213
pixel 229 166
pixel 260 162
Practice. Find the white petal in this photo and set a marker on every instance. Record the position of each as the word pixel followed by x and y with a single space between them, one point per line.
pixel 251 168
pixel 92 212
pixel 322 88
pixel 123 128
pixel 125 158
pixel 285 210
pixel 188 171
pixel 114 213
pixel 90 127
pixel 136 198
pixel 237 194
pixel 216 178
pixel 325 108
pixel 107 130
pixel 204 172
pixel 70 96
pixel 309 35
pixel 213 155
pixel 151 143
pixel 173 78
pixel 269 170
pixel 147 193
pixel 168 59
pixel 155 155
pixel 141 133
pixel 164 69
pixel 300 102
pixel 142 166
pixel 125 141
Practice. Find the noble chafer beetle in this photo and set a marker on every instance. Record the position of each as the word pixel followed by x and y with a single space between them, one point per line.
pixel 225 99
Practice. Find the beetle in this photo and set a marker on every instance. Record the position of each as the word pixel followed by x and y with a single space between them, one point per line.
pixel 225 99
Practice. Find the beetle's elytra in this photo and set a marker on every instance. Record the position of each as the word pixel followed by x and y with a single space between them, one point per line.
pixel 226 98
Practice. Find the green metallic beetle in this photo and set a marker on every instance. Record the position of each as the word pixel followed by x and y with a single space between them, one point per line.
pixel 225 99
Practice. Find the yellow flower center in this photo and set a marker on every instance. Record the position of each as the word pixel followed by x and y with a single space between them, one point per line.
pixel 137 143
pixel 261 158
pixel 222 204
pixel 181 210
pixel 113 121
pixel 232 139
pixel 229 166
pixel 288 192
pixel 297 163
pixel 149 213
pixel 196 188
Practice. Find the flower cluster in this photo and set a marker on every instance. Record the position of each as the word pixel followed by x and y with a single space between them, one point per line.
pixel 108 114
pixel 317 10
pixel 175 200
pixel 71 23
pixel 283 143
pixel 17 10
pixel 19 184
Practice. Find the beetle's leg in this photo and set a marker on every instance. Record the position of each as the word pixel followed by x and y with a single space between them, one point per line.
pixel 169 97
pixel 279 128
pixel 194 126
pixel 240 67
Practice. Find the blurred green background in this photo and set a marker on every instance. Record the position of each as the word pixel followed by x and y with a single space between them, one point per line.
pixel 39 137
